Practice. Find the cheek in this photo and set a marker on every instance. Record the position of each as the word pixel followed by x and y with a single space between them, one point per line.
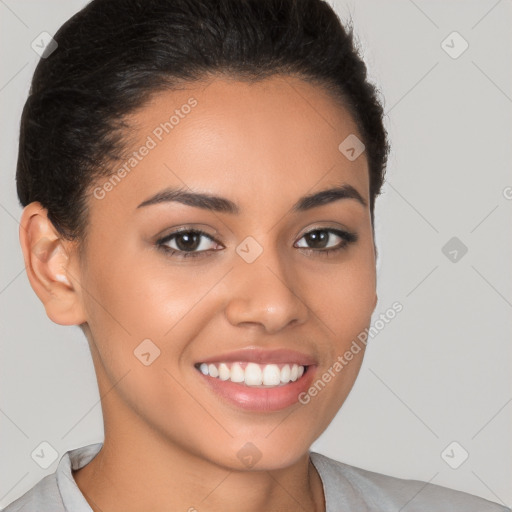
pixel 343 294
pixel 137 296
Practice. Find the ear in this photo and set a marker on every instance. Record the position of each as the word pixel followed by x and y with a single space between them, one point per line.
pixel 52 266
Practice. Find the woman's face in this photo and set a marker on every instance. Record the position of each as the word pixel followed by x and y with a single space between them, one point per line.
pixel 260 276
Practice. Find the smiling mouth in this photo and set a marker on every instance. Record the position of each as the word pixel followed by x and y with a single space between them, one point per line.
pixel 253 374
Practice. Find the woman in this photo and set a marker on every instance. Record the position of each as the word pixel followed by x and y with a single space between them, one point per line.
pixel 198 180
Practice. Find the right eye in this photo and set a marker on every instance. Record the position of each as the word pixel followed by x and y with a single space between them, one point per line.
pixel 186 243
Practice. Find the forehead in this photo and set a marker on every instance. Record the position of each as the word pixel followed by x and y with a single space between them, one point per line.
pixel 244 139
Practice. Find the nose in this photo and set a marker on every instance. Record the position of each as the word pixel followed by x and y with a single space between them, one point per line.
pixel 264 293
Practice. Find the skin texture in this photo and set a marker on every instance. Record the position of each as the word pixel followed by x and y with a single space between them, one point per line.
pixel 170 442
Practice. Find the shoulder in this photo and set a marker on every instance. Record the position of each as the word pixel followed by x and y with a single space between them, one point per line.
pixel 345 484
pixel 42 497
pixel 58 492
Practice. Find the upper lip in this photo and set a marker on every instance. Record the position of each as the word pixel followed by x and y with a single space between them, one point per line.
pixel 263 356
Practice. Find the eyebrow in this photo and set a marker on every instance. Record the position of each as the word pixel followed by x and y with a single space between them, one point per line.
pixel 224 205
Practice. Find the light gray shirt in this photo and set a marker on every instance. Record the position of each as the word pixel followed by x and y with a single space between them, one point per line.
pixel 346 489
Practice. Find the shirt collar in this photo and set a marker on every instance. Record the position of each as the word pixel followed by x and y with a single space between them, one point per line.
pixel 72 497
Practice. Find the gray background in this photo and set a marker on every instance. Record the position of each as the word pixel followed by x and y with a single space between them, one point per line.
pixel 437 373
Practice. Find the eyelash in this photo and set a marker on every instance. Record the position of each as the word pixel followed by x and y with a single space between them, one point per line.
pixel 346 236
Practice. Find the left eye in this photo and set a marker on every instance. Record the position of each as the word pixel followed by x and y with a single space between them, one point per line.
pixel 319 239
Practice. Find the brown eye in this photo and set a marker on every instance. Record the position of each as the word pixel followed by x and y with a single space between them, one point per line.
pixel 185 243
pixel 319 240
pixel 188 241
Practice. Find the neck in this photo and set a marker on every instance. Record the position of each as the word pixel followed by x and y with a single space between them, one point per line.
pixel 139 469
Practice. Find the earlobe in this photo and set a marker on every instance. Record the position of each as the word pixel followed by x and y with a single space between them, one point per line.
pixel 48 265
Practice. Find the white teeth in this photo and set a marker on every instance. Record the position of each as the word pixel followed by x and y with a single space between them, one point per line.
pixel 212 370
pixel 223 372
pixel 254 374
pixel 271 375
pixel 237 374
pixel 285 373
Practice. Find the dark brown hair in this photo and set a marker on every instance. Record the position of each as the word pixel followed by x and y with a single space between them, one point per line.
pixel 113 54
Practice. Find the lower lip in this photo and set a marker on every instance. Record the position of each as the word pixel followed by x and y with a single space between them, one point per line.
pixel 261 399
